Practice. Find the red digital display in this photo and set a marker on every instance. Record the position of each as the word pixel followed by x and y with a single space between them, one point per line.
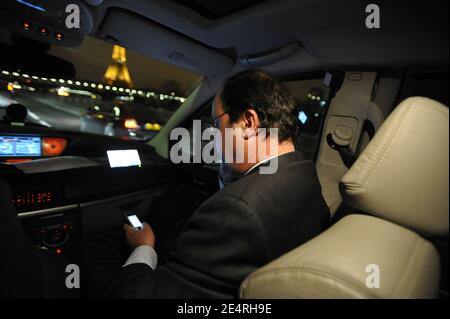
pixel 33 198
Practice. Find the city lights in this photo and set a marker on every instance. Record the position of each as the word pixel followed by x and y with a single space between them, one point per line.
pixel 99 86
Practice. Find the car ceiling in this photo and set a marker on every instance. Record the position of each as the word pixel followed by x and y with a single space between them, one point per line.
pixel 216 9
pixel 333 33
pixel 209 37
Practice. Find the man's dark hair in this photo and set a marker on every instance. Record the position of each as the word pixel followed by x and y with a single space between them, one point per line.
pixel 271 100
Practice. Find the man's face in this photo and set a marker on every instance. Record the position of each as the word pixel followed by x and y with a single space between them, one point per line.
pixel 240 140
pixel 217 112
pixel 221 120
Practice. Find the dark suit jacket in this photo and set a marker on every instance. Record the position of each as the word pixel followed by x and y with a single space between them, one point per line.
pixel 239 229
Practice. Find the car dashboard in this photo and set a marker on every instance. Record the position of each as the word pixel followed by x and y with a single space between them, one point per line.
pixel 71 191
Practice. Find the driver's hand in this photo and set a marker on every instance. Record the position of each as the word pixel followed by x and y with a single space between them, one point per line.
pixel 139 237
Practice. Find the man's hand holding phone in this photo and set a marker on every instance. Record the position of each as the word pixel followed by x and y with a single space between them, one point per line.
pixel 138 235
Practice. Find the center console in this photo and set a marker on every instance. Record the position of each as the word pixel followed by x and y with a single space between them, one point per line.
pixel 53 228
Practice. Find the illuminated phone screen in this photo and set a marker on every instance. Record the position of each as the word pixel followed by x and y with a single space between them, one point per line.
pixel 135 222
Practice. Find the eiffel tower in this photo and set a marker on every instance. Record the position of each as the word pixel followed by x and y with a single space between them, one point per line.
pixel 117 72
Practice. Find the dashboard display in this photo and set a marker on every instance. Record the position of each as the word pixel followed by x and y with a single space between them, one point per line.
pixel 16 146
pixel 123 158
pixel 32 198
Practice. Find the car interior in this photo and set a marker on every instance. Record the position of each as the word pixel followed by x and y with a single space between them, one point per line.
pixel 373 117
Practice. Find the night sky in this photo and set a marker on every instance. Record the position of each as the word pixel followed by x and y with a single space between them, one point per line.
pixel 93 57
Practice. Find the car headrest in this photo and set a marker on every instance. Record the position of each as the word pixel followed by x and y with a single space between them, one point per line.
pixel 402 175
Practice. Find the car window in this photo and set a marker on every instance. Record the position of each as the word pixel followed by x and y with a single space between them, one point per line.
pixel 202 118
pixel 114 91
pixel 312 98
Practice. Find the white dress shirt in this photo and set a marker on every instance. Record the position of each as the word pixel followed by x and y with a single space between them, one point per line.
pixel 143 254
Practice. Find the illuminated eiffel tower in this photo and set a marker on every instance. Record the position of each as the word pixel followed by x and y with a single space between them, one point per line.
pixel 117 72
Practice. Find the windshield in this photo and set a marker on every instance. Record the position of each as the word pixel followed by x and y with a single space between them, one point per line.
pixel 98 88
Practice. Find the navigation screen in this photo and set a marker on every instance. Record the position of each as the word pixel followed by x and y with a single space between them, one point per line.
pixel 123 158
pixel 15 146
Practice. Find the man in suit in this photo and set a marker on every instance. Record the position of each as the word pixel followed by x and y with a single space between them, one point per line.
pixel 251 221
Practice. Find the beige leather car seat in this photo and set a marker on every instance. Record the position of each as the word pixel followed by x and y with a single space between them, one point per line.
pixel 401 182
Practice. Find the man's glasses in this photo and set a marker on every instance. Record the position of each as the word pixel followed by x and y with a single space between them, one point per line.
pixel 213 122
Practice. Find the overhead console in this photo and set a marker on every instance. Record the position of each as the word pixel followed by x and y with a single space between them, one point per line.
pixel 45 21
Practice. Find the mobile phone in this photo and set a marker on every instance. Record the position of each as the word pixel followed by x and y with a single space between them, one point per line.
pixel 133 220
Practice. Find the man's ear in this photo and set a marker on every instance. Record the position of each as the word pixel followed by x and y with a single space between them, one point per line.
pixel 251 123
